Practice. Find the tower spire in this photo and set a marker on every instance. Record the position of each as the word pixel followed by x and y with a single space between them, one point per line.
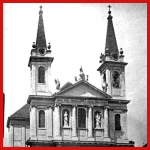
pixel 111 43
pixel 40 39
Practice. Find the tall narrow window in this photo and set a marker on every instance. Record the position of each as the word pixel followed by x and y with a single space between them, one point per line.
pixel 116 79
pixel 104 77
pixel 117 122
pixel 81 118
pixel 41 119
pixel 41 74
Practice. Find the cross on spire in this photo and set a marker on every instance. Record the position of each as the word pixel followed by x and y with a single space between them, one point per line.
pixel 40 12
pixel 109 12
pixel 41 7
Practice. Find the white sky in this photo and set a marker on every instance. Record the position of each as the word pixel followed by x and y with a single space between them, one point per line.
pixel 77 33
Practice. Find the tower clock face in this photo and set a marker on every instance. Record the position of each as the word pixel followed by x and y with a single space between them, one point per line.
pixel 115 56
pixel 42 51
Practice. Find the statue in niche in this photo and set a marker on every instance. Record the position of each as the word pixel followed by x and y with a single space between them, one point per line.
pixel 115 79
pixel 66 119
pixel 98 120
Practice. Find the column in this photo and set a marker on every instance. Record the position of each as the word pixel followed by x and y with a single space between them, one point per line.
pixel 108 80
pixel 33 123
pixel 124 125
pixel 23 136
pixel 106 136
pixel 33 80
pixel 56 123
pixel 74 124
pixel 49 121
pixel 90 129
pixel 48 80
pixel 11 136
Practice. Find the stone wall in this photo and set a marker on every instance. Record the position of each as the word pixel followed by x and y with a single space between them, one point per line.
pixel 18 135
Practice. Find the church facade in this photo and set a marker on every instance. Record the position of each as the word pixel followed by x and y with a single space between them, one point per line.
pixel 78 114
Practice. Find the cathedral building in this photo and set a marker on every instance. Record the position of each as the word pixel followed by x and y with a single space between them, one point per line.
pixel 78 114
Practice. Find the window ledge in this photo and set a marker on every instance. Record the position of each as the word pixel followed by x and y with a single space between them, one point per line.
pixel 98 128
pixel 41 83
pixel 118 131
pixel 41 128
pixel 82 128
pixel 66 127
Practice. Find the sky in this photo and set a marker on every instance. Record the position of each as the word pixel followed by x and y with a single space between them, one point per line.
pixel 77 33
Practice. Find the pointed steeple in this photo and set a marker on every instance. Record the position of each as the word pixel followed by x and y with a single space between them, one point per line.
pixel 40 39
pixel 111 43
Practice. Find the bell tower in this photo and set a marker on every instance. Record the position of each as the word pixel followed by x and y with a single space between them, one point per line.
pixel 112 68
pixel 40 62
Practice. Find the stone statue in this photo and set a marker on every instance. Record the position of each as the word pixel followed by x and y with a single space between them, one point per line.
pixel 65 119
pixel 57 84
pixel 82 75
pixel 98 120
pixel 104 86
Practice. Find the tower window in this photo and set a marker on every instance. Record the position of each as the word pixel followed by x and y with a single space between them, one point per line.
pixel 81 118
pixel 104 77
pixel 41 74
pixel 117 122
pixel 41 119
pixel 116 79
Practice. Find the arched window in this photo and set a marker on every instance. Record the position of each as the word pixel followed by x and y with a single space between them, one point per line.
pixel 41 119
pixel 81 118
pixel 116 79
pixel 65 117
pixel 41 74
pixel 117 122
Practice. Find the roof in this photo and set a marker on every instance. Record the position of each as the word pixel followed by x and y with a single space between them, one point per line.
pixel 41 40
pixel 111 43
pixel 66 86
pixel 22 113
pixel 73 86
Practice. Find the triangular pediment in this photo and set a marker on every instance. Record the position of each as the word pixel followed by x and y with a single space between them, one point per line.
pixel 83 89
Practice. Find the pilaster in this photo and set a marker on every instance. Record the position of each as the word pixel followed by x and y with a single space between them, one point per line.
pixel 56 123
pixel 11 136
pixel 23 136
pixel 49 120
pixel 106 134
pixel 108 81
pixel 74 124
pixel 90 129
pixel 33 123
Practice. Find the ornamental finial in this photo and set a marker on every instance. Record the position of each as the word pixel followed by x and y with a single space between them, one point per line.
pixel 41 7
pixel 109 12
pixel 40 12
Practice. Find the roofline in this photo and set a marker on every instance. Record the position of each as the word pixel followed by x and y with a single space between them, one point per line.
pixel 66 84
pixel 18 110
pixel 120 101
pixel 73 85
pixel 40 59
pixel 79 97
pixel 93 98
pixel 110 63
pixel 38 97
pixel 15 118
